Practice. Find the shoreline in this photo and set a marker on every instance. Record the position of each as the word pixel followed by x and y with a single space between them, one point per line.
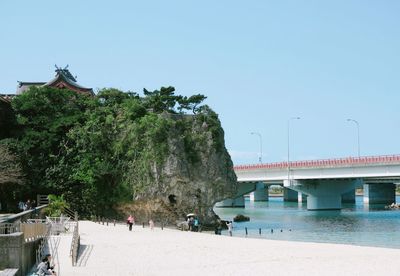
pixel 109 250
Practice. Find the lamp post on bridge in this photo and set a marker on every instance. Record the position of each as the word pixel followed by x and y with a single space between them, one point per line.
pixel 358 134
pixel 259 136
pixel 288 144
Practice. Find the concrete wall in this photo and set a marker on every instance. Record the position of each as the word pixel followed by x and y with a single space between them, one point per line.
pixel 11 247
pixel 15 253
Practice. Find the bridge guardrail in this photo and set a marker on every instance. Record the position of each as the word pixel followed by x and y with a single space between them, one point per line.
pixel 348 161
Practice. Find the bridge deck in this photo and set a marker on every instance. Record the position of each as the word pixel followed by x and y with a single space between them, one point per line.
pixel 338 162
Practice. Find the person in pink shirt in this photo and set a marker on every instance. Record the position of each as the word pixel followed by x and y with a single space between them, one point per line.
pixel 130 221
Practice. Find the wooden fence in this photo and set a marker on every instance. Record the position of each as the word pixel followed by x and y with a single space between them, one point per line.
pixel 34 231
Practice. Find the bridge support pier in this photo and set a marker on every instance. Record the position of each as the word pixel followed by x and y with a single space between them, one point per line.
pixel 349 197
pixel 379 193
pixel 323 194
pixel 260 193
pixel 301 197
pixel 290 195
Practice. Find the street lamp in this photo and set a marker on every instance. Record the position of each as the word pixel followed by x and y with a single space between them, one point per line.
pixel 358 134
pixel 288 143
pixel 259 136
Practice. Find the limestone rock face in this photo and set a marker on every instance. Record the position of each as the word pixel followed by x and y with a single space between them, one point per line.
pixel 196 173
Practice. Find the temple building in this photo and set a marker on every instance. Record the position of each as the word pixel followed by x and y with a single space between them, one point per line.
pixel 62 80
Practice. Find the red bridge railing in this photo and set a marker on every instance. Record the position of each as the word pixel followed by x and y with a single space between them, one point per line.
pixel 338 162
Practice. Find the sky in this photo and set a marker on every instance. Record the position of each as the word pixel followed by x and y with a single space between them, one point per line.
pixel 260 63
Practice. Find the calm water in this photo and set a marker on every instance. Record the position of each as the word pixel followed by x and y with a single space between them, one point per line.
pixel 354 224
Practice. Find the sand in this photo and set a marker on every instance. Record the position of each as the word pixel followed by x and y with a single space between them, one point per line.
pixel 109 250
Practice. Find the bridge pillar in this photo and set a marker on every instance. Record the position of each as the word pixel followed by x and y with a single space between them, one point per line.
pixel 349 197
pixel 260 193
pixel 301 197
pixel 290 195
pixel 379 193
pixel 323 194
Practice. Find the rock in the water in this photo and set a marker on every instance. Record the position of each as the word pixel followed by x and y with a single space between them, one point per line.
pixel 241 218
pixel 393 206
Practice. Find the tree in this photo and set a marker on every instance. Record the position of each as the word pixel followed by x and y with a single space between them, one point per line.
pixel 44 116
pixel 191 103
pixel 7 118
pixel 11 177
pixel 97 151
pixel 57 205
pixel 10 169
pixel 161 100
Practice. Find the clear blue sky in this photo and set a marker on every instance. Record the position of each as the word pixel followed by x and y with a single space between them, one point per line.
pixel 259 63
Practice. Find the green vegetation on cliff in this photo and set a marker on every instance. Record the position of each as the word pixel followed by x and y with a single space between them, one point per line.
pixel 102 150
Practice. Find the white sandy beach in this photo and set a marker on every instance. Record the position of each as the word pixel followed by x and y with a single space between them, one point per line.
pixel 116 251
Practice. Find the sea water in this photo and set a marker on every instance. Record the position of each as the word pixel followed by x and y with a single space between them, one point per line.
pixel 358 224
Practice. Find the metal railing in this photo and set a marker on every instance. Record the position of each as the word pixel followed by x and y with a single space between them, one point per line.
pixel 42 200
pixel 40 251
pixel 58 224
pixel 75 242
pixel 69 212
pixel 9 228
pixel 338 162
pixel 23 216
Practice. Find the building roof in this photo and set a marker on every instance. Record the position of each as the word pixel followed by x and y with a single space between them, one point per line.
pixel 63 79
pixel 24 85
pixel 6 98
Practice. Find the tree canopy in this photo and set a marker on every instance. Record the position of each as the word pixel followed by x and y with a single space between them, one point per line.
pixel 93 150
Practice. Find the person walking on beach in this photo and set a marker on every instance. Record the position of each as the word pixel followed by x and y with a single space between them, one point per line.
pixel 230 226
pixel 151 224
pixel 130 222
pixel 190 223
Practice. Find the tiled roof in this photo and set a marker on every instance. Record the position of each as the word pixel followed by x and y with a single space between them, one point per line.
pixel 62 79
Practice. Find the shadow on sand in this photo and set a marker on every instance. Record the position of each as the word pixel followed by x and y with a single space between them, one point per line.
pixel 85 250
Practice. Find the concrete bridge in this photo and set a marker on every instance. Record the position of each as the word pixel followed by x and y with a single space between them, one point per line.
pixel 326 183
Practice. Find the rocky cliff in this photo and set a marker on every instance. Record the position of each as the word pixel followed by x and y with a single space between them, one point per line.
pixel 189 173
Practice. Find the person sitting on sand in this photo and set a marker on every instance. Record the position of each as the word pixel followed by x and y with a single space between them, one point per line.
pixel 43 267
